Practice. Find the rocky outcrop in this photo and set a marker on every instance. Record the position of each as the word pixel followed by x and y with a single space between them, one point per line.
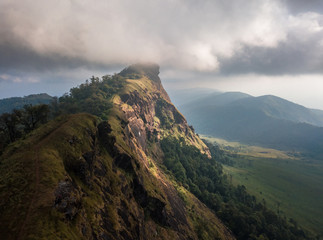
pixel 151 116
pixel 67 199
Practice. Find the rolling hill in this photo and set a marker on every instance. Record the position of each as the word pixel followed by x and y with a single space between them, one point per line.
pixel 267 120
pixel 8 104
pixel 182 96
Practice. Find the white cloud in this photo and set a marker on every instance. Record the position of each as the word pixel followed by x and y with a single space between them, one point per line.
pixel 267 28
pixel 9 78
pixel 305 24
pixel 4 77
pixel 16 79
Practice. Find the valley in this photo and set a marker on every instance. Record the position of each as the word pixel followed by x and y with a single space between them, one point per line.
pixel 289 183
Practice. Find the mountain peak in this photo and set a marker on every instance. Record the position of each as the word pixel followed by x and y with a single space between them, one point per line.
pixel 151 70
pixel 144 72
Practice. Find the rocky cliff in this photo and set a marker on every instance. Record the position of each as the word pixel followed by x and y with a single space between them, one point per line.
pixel 149 111
pixel 79 177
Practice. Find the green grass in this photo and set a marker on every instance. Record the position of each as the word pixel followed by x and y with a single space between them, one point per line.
pixel 248 150
pixel 25 201
pixel 295 185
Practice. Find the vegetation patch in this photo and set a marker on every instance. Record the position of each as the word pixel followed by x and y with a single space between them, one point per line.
pixel 205 179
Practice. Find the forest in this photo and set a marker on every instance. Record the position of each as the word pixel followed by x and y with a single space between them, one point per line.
pixel 92 97
pixel 240 211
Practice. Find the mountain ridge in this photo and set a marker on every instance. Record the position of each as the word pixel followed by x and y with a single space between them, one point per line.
pixel 272 105
pixel 267 121
pixel 121 162
pixel 79 177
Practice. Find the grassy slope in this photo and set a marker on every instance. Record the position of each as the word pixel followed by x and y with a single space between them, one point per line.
pixel 248 150
pixel 29 172
pixel 295 185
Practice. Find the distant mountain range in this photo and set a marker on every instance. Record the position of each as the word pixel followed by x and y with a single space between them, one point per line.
pixel 266 120
pixel 8 104
pixel 183 96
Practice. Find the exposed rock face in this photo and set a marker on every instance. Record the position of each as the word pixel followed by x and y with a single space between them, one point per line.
pixel 67 199
pixel 150 115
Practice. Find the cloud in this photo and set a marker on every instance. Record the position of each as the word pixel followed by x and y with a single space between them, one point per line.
pixel 47 40
pixel 8 78
pixel 16 79
pixel 299 6
pixel 300 53
pixel 182 34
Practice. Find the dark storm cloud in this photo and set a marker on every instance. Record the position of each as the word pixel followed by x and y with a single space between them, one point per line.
pixel 290 57
pixel 298 6
pixel 24 59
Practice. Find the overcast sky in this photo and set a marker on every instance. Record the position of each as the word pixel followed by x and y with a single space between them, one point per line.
pixel 255 46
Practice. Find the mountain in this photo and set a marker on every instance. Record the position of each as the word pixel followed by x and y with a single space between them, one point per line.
pixel 272 106
pixel 121 162
pixel 318 113
pixel 8 104
pixel 79 177
pixel 266 120
pixel 280 108
pixel 215 99
pixel 182 96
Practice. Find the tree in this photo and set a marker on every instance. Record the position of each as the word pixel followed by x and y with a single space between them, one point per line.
pixel 9 123
pixel 35 115
pixel 54 107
